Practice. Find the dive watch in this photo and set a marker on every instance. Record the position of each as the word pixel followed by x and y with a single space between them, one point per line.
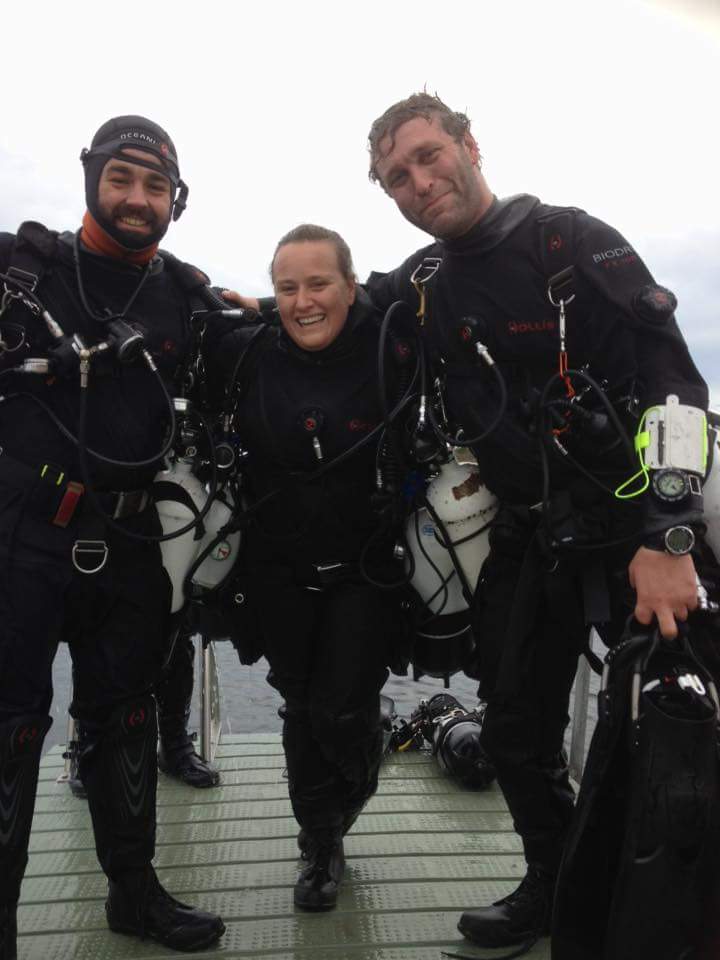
pixel 679 540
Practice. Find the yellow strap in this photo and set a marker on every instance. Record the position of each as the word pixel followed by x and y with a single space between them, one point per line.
pixel 642 472
pixel 642 440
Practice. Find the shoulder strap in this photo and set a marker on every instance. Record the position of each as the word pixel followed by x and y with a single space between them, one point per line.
pixel 193 282
pixel 252 338
pixel 558 251
pixel 34 249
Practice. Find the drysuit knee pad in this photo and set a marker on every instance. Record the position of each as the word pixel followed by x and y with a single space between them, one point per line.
pixel 130 732
pixel 134 720
pixel 21 741
pixel 22 738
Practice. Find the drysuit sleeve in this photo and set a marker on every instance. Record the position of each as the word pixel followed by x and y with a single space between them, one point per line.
pixel 7 241
pixel 610 267
pixel 268 306
pixel 606 264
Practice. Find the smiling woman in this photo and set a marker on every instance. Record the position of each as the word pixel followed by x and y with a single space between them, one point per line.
pixel 319 533
pixel 314 284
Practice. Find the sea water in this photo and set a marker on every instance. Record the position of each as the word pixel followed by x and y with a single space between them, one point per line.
pixel 249 703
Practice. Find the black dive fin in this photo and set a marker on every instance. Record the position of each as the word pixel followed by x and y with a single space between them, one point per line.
pixel 642 855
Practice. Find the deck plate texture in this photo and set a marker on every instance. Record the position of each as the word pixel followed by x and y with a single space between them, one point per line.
pixel 424 850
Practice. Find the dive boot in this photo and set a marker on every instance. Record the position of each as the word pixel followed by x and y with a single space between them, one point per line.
pixel 8 932
pixel 177 758
pixel 319 882
pixel 522 917
pixel 138 904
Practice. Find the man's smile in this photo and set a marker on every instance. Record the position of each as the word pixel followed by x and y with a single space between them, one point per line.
pixel 434 201
pixel 131 220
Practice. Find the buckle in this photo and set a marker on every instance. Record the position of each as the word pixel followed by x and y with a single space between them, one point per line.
pixel 425 271
pixel 420 276
pixel 129 503
pixel 28 281
pixel 90 548
pixel 560 287
pixel 331 573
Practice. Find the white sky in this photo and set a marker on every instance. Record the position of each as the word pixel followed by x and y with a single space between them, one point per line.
pixel 610 105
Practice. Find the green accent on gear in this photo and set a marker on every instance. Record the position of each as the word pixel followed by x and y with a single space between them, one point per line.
pixel 642 442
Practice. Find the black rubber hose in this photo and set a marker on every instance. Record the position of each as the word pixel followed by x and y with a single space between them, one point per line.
pixel 93 497
pixel 461 440
pixel 600 393
pixel 450 547
pixel 127 464
pixel 341 457
pixel 438 572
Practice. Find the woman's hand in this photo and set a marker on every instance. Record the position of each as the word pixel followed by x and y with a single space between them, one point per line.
pixel 247 303
pixel 666 588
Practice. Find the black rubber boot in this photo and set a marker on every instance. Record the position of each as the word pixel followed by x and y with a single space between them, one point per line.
pixel 8 932
pixel 177 758
pixel 319 882
pixel 522 917
pixel 138 905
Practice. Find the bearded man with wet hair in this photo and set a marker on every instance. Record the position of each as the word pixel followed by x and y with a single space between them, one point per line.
pixel 95 329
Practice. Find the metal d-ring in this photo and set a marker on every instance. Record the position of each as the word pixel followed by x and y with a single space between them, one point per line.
pixel 90 547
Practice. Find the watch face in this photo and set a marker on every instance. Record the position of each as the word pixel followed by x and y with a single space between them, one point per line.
pixel 671 484
pixel 679 540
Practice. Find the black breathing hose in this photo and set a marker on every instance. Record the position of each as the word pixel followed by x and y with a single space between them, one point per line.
pixel 94 499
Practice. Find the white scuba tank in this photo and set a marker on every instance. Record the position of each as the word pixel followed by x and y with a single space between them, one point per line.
pixel 711 496
pixel 464 505
pixel 181 552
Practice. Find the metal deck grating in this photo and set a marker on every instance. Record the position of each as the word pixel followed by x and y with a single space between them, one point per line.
pixel 423 850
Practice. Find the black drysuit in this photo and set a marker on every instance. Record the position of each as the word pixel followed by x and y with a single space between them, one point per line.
pixel 543 584
pixel 116 620
pixel 328 636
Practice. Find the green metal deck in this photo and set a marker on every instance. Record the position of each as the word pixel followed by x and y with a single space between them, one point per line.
pixel 423 850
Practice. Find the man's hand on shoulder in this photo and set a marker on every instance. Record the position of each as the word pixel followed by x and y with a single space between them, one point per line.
pixel 666 587
pixel 247 303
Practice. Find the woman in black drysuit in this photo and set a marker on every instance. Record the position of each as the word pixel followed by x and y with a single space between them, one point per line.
pixel 306 392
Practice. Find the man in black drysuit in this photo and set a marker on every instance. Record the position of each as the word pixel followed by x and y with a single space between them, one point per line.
pixel 545 580
pixel 69 569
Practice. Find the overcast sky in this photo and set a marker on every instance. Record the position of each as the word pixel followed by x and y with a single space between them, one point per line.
pixel 611 106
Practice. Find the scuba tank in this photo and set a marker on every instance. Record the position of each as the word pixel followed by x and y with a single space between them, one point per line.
pixel 179 498
pixel 176 508
pixel 459 511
